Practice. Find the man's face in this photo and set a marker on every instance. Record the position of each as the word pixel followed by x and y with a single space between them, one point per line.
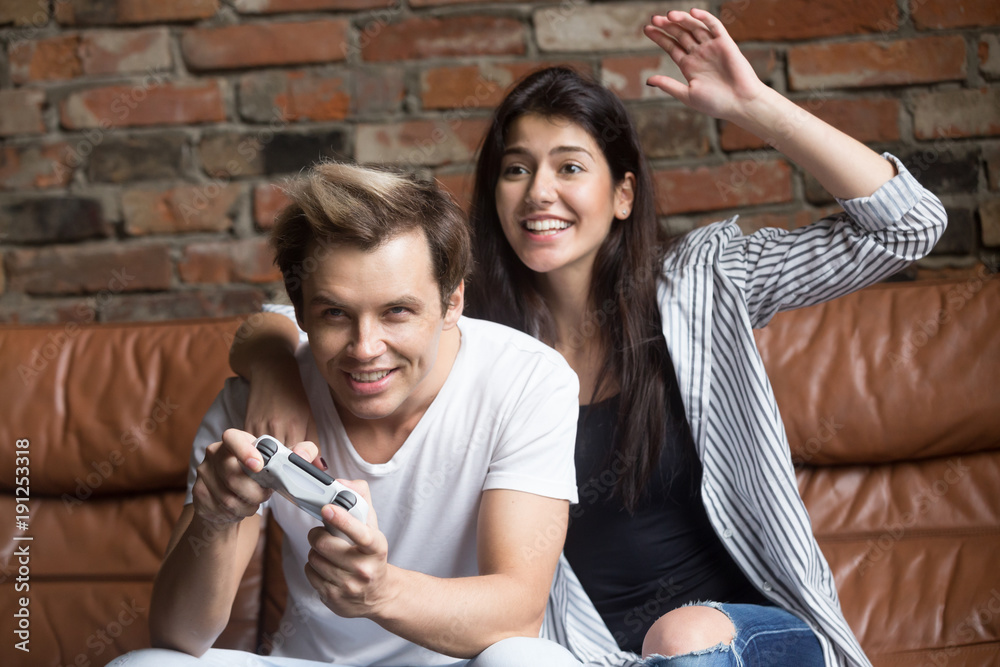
pixel 375 320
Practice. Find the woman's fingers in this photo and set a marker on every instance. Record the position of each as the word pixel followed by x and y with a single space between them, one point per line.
pixel 665 42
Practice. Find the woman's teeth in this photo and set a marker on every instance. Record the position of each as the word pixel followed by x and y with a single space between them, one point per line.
pixel 546 227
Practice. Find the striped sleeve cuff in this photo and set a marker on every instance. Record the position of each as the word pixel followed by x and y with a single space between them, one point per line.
pixel 887 205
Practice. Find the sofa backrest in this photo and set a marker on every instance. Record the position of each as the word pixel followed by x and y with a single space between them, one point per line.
pixel 109 413
pixel 891 403
pixel 889 398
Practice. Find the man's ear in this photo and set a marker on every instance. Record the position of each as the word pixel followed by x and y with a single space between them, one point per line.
pixel 456 304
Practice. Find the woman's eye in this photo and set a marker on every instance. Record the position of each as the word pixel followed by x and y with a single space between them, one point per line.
pixel 514 170
pixel 572 168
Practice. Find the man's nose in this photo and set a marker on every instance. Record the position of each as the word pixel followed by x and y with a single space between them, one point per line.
pixel 369 342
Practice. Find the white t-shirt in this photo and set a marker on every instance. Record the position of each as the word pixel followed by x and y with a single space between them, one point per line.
pixel 505 418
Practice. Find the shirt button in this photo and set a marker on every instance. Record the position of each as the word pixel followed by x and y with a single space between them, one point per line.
pixel 727 533
pixel 766 586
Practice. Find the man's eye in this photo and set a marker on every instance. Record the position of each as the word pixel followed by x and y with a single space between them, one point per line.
pixel 333 312
pixel 399 310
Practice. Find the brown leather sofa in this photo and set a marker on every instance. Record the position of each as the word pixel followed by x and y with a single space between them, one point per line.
pixel 889 395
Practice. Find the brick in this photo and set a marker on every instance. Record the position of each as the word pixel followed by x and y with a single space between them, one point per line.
pixel 957 113
pixel 989 56
pixel 795 20
pixel 459 185
pixel 147 103
pixel 51 59
pixel 942 171
pixel 419 142
pixel 378 90
pixel 21 112
pixel 578 28
pixel 749 224
pixel 269 152
pixel 477 86
pixel 268 200
pixel 263 44
pixel 730 185
pixel 671 131
pixel 187 304
pixel 938 14
pixel 231 154
pixel 279 6
pixel 293 96
pixel 973 272
pixel 869 120
pixel 877 63
pixel 206 207
pixel 989 218
pixel 93 53
pixel 243 261
pixel 109 12
pixel 441 3
pixel 419 38
pixel 64 219
pixel 24 12
pixel 290 152
pixel 146 157
pixel 114 268
pixel 992 156
pixel 125 52
pixel 34 166
pixel 960 236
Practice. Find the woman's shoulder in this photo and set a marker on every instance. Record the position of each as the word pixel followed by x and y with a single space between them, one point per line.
pixel 701 245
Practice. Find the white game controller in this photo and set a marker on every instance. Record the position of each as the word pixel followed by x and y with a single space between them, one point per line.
pixel 304 484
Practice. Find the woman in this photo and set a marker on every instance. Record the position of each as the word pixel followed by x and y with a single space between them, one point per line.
pixel 687 491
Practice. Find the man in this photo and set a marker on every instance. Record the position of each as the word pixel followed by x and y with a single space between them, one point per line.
pixel 458 433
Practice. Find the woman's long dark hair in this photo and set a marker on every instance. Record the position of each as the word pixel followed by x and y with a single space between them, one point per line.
pixel 623 286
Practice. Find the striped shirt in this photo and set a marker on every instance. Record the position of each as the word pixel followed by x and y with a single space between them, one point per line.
pixel 718 286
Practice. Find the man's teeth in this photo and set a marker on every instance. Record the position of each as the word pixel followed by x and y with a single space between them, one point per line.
pixel 369 377
pixel 551 225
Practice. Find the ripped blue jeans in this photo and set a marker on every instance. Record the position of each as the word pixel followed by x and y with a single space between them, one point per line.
pixel 764 636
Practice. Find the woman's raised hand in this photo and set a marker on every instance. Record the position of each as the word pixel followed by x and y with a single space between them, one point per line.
pixel 720 80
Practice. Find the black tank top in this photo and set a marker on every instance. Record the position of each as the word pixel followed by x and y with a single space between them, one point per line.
pixel 637 567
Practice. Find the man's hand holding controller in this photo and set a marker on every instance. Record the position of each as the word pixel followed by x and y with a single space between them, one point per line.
pixel 304 484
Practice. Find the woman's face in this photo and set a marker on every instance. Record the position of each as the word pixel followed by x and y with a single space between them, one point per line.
pixel 555 197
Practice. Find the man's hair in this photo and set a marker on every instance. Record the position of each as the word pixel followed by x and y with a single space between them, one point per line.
pixel 343 204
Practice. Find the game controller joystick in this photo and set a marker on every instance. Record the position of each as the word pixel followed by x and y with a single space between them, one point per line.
pixel 304 484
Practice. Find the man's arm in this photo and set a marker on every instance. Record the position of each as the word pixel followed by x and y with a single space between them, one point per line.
pixel 520 537
pixel 211 546
pixel 194 590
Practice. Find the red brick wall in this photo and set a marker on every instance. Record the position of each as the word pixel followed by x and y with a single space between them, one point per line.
pixel 141 139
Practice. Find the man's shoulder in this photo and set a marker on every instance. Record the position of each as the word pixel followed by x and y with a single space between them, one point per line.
pixel 497 344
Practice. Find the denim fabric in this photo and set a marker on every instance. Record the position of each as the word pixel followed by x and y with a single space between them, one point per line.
pixel 765 636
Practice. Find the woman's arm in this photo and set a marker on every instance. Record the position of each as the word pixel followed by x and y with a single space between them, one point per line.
pixel 263 353
pixel 722 84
